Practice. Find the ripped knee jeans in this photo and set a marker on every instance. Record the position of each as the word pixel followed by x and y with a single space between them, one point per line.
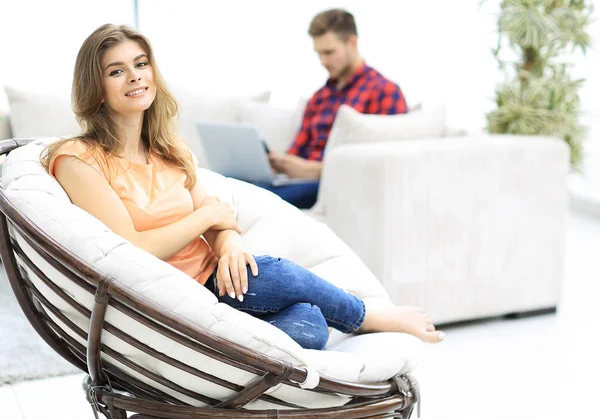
pixel 296 301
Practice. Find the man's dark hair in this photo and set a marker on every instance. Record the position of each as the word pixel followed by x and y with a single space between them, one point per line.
pixel 338 21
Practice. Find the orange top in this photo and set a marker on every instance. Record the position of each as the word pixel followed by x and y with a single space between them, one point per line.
pixel 154 196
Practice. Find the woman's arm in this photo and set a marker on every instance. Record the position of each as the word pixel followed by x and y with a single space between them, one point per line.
pixel 223 242
pixel 220 241
pixel 90 191
pixel 232 274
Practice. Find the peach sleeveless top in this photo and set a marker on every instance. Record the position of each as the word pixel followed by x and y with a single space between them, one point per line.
pixel 154 196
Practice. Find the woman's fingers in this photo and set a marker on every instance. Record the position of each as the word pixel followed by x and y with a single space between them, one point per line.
pixel 220 285
pixel 241 264
pixel 252 263
pixel 224 278
pixel 235 277
pixel 232 274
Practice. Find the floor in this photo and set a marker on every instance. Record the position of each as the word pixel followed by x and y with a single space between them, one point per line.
pixel 538 367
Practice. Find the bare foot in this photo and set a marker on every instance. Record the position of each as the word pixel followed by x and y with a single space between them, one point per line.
pixel 405 319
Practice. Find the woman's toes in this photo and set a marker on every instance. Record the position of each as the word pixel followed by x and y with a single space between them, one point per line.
pixel 430 328
pixel 434 337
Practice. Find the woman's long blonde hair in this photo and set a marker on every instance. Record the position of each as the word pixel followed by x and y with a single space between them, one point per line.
pixel 99 130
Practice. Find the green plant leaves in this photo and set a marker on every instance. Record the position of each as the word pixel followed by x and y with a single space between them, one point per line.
pixel 540 98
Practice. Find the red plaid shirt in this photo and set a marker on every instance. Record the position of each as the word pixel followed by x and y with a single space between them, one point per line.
pixel 367 91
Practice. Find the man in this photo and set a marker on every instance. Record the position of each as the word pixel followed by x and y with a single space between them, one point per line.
pixel 350 82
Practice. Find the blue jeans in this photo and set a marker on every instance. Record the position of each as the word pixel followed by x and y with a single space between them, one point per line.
pixel 296 301
pixel 301 195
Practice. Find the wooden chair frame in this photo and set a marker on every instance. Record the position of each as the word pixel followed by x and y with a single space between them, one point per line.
pixel 113 392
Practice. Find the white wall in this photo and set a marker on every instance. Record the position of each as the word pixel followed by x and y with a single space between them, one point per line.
pixel 438 51
pixel 39 39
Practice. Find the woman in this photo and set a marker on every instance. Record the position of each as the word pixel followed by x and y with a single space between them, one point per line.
pixel 129 170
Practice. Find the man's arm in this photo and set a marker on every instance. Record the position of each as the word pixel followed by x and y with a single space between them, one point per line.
pixel 291 163
pixel 303 137
pixel 387 99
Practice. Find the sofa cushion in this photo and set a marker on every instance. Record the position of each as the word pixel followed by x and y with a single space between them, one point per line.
pixel 195 106
pixel 43 115
pixel 271 226
pixel 5 131
pixel 34 114
pixel 353 127
pixel 277 125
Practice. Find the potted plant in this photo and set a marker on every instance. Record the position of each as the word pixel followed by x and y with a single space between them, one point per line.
pixel 539 96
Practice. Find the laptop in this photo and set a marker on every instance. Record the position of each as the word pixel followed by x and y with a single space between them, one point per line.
pixel 236 150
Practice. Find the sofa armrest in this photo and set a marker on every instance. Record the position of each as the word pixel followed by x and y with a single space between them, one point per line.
pixel 428 215
pixel 5 131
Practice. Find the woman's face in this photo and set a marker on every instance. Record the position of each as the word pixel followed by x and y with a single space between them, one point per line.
pixel 128 79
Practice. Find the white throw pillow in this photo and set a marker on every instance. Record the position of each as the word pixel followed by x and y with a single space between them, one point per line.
pixel 278 126
pixel 40 115
pixel 353 127
pixel 195 107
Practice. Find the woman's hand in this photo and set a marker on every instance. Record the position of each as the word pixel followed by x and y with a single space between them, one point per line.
pixel 232 275
pixel 223 214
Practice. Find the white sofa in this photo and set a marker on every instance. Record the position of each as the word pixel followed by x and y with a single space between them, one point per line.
pixel 466 227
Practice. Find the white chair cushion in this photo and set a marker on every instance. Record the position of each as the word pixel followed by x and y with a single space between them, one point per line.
pixel 270 226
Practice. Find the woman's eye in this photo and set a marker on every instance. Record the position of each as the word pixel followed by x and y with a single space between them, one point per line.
pixel 142 64
pixel 114 72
